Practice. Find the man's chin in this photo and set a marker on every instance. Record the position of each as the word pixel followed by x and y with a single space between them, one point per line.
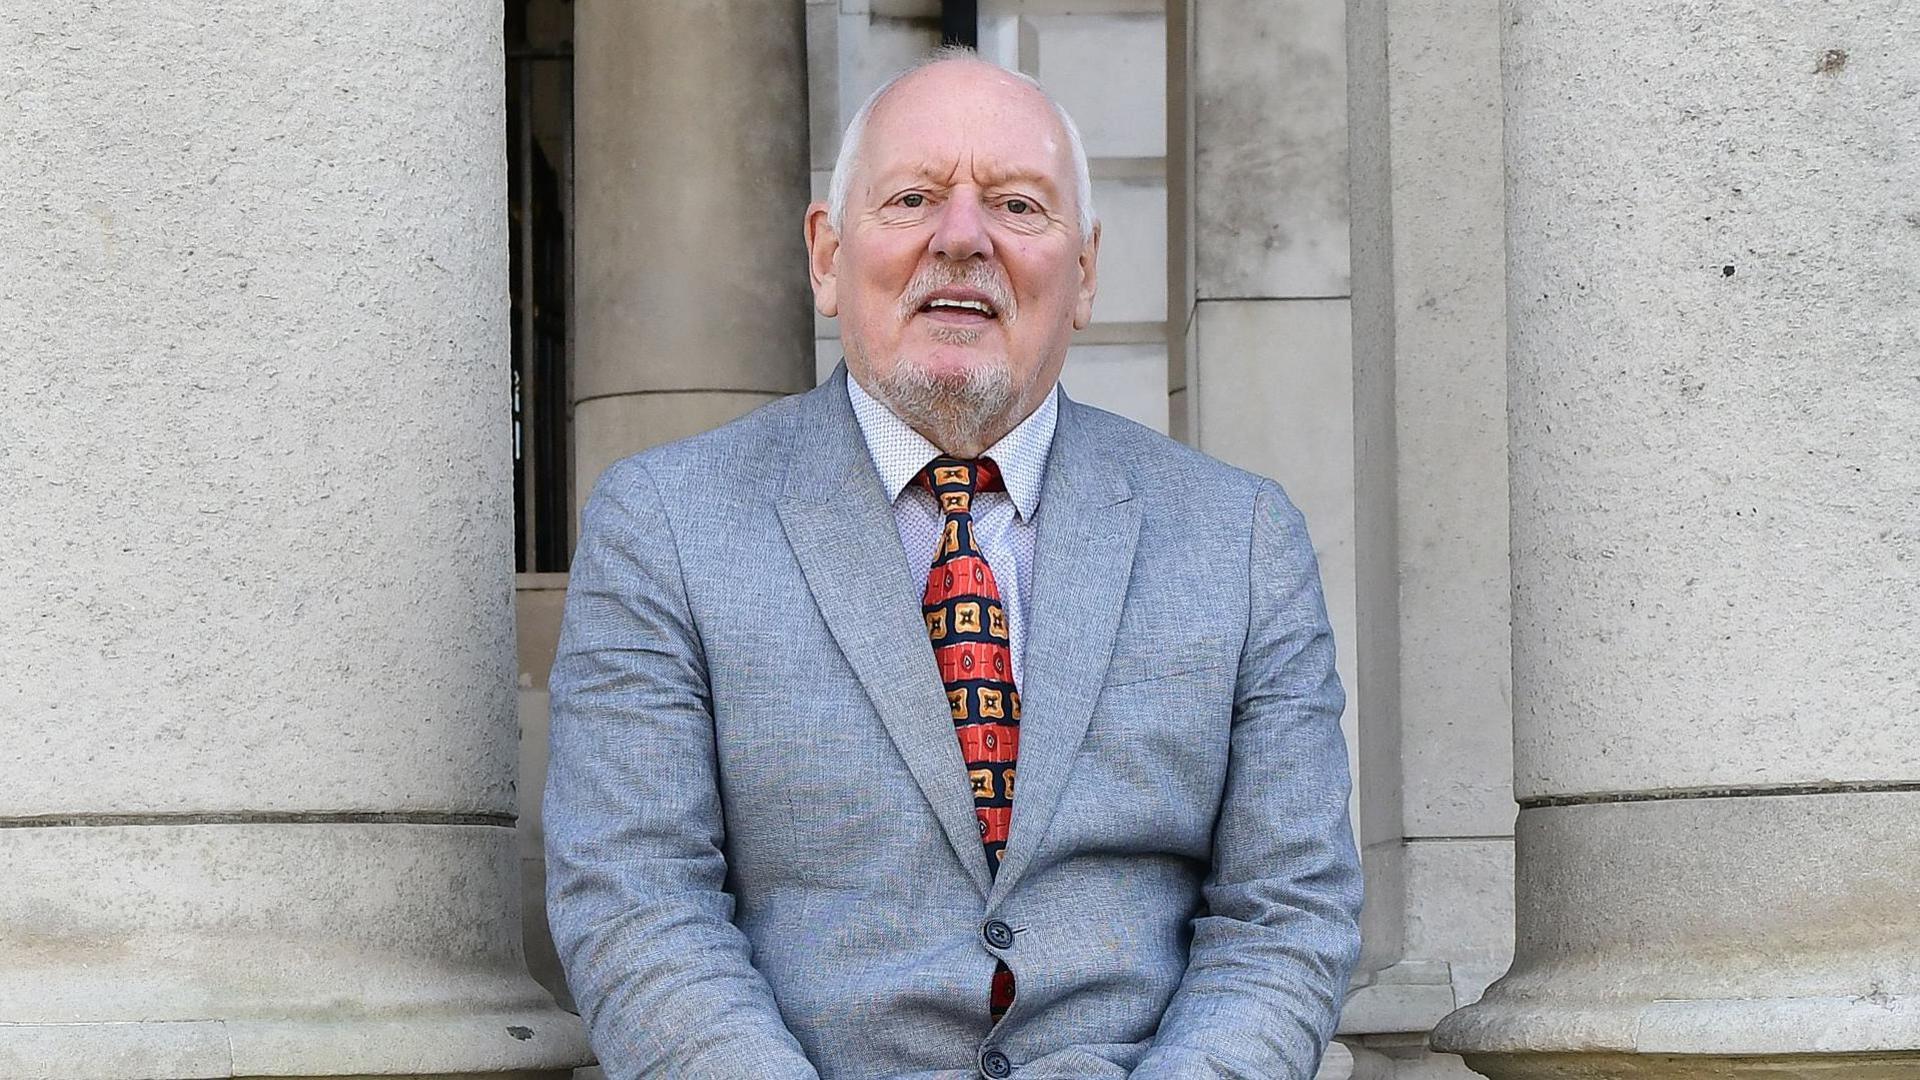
pixel 954 364
pixel 954 397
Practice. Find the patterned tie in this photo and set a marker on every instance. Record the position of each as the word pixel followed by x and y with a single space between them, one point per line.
pixel 968 628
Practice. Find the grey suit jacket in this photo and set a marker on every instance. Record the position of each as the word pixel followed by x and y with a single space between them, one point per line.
pixel 762 855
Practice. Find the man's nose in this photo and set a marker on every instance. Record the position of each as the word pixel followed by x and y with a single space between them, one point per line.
pixel 960 232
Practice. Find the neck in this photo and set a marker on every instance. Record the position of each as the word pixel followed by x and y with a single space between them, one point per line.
pixel 966 447
pixel 958 424
pixel 957 436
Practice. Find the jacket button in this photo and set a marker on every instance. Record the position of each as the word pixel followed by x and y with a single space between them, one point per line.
pixel 998 934
pixel 994 1065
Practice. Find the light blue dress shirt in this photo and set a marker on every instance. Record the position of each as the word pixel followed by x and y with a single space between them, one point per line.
pixel 1003 523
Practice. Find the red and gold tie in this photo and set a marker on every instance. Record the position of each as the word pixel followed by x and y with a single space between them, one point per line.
pixel 968 628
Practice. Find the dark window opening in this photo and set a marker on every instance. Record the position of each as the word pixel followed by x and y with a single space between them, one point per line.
pixel 960 23
pixel 539 36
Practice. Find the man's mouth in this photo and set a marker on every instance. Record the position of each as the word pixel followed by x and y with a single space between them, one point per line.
pixel 963 306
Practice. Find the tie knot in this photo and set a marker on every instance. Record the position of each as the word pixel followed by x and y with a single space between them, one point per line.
pixel 945 475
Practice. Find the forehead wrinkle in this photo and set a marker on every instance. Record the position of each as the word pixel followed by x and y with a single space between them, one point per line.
pixel 926 169
pixel 992 176
pixel 988 175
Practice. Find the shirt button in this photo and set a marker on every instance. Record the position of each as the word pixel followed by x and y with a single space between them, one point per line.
pixel 998 934
pixel 994 1065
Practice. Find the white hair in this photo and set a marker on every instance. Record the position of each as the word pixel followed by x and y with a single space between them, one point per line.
pixel 843 166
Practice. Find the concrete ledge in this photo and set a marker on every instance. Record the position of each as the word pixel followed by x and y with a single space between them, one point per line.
pixel 523 1042
pixel 520 1045
pixel 1792 1030
pixel 1636 1067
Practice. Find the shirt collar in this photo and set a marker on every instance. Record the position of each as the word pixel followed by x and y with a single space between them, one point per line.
pixel 899 452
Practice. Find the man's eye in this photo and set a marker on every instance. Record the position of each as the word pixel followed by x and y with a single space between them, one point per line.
pixel 1019 206
pixel 913 200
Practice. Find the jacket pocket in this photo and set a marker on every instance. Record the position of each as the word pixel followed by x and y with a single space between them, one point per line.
pixel 1183 659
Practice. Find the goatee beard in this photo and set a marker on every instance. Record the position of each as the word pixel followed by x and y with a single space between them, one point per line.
pixel 958 413
pixel 964 411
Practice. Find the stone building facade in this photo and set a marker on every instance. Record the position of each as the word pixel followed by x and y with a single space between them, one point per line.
pixel 1585 335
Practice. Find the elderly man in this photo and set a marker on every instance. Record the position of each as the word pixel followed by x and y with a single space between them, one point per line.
pixel 931 724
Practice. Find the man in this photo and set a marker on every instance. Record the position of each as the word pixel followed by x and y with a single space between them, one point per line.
pixel 933 725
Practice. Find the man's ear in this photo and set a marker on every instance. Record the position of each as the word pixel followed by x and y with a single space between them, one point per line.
pixel 823 247
pixel 1089 278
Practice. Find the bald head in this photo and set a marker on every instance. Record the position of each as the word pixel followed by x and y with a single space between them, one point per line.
pixel 959 71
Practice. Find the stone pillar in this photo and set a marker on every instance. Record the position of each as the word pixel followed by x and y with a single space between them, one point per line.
pixel 256 799
pixel 1430 374
pixel 1715 390
pixel 691 166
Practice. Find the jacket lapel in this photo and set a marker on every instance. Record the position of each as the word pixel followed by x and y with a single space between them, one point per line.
pixel 1083 554
pixel 842 531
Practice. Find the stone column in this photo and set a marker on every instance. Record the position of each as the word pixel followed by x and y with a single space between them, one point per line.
pixel 1435 712
pixel 1715 390
pixel 256 795
pixel 691 165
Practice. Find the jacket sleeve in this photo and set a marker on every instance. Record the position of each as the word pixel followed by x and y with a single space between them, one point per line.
pixel 634 834
pixel 1278 934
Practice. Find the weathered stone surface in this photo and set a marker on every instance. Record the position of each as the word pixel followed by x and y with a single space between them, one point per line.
pixel 1448 397
pixel 691 268
pixel 1433 655
pixel 1276 386
pixel 256 627
pixel 543 961
pixel 538 602
pixel 874 46
pixel 1714 394
pixel 1459 908
pixel 1336 1064
pixel 1662 914
pixel 1270 148
pixel 253 350
pixel 1379 1058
